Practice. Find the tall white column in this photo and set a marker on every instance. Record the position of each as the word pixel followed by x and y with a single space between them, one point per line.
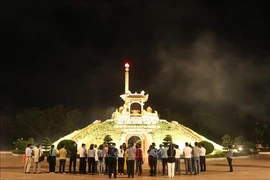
pixel 127 78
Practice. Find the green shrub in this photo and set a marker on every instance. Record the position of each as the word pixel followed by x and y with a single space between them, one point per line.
pixel 67 143
pixel 208 146
pixel 46 144
pixel 21 144
pixel 167 140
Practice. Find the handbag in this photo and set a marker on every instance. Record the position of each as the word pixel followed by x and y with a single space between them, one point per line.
pixel 40 158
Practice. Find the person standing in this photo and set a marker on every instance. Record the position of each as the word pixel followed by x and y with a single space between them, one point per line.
pixel 73 156
pixel 202 158
pixel 177 159
pixel 131 160
pixel 139 159
pixel 112 155
pixel 28 161
pixel 83 156
pixel 153 160
pixel 96 158
pixel 164 159
pixel 196 155
pixel 125 160
pixel 106 158
pixel 192 158
pixel 171 160
pixel 159 159
pixel 91 160
pixel 62 159
pixel 100 155
pixel 121 158
pixel 124 146
pixel 37 153
pixel 52 162
pixel 148 152
pixel 230 157
pixel 187 155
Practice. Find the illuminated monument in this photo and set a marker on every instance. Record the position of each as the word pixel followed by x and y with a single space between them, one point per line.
pixel 132 123
pixel 132 119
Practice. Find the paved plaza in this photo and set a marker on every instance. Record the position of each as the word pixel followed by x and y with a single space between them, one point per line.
pixel 245 168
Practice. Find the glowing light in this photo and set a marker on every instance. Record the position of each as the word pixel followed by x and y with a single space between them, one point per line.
pixel 126 65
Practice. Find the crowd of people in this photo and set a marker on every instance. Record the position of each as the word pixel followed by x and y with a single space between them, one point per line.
pixel 108 159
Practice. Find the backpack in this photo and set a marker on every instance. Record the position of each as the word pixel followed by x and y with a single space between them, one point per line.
pixel 100 155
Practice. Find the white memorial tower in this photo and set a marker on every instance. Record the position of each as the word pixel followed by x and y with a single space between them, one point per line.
pixel 132 119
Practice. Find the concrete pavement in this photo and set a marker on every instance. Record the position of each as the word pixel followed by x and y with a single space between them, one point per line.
pixel 245 168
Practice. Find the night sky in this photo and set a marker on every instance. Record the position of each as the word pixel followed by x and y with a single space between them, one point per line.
pixel 185 54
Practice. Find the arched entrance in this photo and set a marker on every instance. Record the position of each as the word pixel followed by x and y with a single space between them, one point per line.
pixel 146 140
pixel 134 139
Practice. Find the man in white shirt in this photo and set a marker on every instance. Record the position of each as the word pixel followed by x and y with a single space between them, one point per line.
pixel 202 158
pixel 164 159
pixel 187 154
pixel 28 160
pixel 83 156
pixel 177 159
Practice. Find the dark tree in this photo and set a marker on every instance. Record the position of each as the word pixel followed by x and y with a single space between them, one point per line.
pixel 107 139
pixel 52 122
pixel 67 143
pixel 209 147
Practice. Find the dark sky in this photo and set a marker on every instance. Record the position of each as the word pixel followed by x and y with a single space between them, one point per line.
pixel 183 53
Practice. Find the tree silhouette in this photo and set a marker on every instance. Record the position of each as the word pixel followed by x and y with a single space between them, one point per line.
pixel 240 140
pixel 226 140
pixel 167 139
pixel 107 139
pixel 52 122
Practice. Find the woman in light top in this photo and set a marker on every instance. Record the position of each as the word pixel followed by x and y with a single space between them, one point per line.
pixel 91 160
pixel 121 161
pixel 37 153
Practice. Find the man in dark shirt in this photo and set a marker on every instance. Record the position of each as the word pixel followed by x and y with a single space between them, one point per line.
pixel 112 155
pixel 73 155
pixel 153 160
